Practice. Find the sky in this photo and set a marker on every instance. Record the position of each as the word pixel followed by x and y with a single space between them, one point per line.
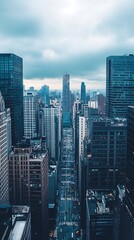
pixel 59 37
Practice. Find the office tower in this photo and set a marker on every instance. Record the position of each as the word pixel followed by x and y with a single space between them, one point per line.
pixel 100 216
pixel 52 124
pixel 101 99
pixel 28 181
pixel 76 108
pixel 41 130
pixel 108 154
pixel 130 161
pixel 5 140
pixel 119 85
pixel 66 93
pixel 66 111
pixel 44 94
pixel 76 114
pixel 52 196
pixel 11 87
pixel 72 99
pixel 83 92
pixel 30 101
pixel 82 135
pixel 127 219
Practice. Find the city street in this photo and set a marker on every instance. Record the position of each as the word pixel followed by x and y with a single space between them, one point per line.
pixel 68 220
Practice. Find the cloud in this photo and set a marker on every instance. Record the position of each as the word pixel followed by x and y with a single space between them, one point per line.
pixel 66 36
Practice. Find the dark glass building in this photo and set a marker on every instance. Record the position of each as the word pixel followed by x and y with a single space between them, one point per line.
pixel 66 93
pixel 127 217
pixel 11 87
pixel 108 154
pixel 83 92
pixel 119 85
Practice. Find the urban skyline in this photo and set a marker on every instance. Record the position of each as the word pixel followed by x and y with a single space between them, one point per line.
pixel 67 120
pixel 72 164
pixel 73 37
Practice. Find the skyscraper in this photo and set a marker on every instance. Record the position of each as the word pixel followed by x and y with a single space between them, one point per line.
pixel 28 175
pixel 52 124
pixel 30 114
pixel 130 161
pixel 4 144
pixel 82 135
pixel 66 93
pixel 119 85
pixel 44 94
pixel 11 87
pixel 108 154
pixel 127 218
pixel 83 92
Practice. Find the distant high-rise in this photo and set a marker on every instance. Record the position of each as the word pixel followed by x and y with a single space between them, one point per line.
pixel 101 99
pixel 30 114
pixel 5 135
pixel 11 87
pixel 82 135
pixel 66 93
pixel 52 124
pixel 119 85
pixel 44 94
pixel 83 92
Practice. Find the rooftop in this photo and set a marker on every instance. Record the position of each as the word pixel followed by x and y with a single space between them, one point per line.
pixel 100 202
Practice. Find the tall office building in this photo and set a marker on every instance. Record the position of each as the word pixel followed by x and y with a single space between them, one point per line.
pixel 30 101
pixel 108 154
pixel 100 215
pixel 119 85
pixel 101 99
pixel 82 135
pixel 127 218
pixel 44 94
pixel 4 123
pixel 52 125
pixel 130 161
pixel 11 87
pixel 28 175
pixel 66 93
pixel 83 92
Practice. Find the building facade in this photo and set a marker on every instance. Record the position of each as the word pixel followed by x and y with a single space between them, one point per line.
pixel 11 87
pixel 99 216
pixel 119 85
pixel 5 148
pixel 66 93
pixel 30 101
pixel 127 217
pixel 28 175
pixel 52 130
pixel 83 92
pixel 108 154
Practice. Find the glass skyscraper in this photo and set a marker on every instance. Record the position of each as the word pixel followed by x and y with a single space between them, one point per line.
pixel 119 85
pixel 130 161
pixel 66 93
pixel 11 87
pixel 83 92
pixel 127 214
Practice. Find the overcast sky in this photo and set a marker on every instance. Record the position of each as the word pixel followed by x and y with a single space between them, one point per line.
pixel 66 36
